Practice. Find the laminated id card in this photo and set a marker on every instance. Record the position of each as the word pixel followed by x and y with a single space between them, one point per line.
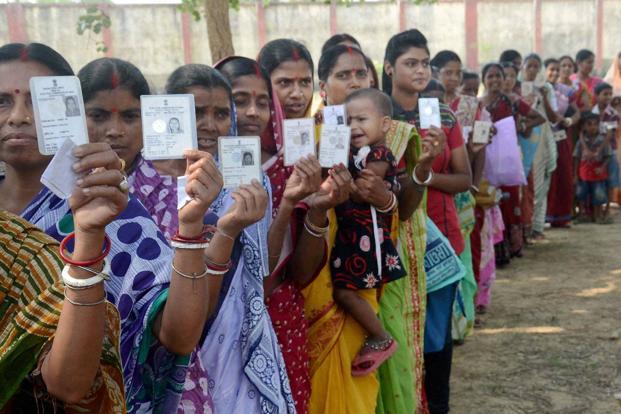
pixel 334 115
pixel 334 145
pixel 299 139
pixel 481 132
pixel 168 126
pixel 429 111
pixel 58 112
pixel 240 160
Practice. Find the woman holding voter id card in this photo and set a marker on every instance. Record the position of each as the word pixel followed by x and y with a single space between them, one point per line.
pixel 162 310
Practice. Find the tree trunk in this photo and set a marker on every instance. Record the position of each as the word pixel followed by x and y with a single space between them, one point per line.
pixel 219 29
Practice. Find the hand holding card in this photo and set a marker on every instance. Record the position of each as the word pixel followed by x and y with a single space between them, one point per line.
pixel 59 176
pixel 58 112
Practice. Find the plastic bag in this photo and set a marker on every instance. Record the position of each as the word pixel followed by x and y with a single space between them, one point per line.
pixel 503 163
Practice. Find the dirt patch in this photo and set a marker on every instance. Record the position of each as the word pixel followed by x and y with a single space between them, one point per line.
pixel 551 340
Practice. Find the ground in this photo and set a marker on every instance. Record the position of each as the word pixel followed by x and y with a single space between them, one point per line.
pixel 551 340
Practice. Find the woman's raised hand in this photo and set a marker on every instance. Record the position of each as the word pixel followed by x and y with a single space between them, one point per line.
pixel 203 186
pixel 249 207
pixel 304 181
pixel 101 194
pixel 432 145
pixel 334 190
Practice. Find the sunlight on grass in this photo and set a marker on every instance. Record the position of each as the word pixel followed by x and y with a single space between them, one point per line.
pixel 580 311
pixel 616 272
pixel 589 293
pixel 524 329
pixel 540 279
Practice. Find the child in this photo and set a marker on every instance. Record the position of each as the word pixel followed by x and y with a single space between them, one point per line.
pixel 359 259
pixel 608 125
pixel 470 84
pixel 592 155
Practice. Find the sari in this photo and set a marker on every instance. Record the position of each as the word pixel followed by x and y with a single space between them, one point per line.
pixel 403 301
pixel 138 287
pixel 158 194
pixel 31 300
pixel 238 361
pixel 585 91
pixel 491 233
pixel 613 76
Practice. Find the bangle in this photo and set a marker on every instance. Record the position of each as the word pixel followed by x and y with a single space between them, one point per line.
pixel 75 303
pixel 312 233
pixel 201 244
pixel 314 229
pixel 218 267
pixel 193 275
pixel 422 183
pixel 80 284
pixel 85 263
pixel 475 188
pixel 225 235
pixel 392 204
pixel 204 236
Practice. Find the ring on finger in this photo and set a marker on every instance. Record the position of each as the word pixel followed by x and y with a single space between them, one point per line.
pixel 124 185
pixel 122 164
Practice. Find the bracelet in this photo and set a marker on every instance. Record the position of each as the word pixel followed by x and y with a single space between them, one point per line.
pixel 188 246
pixel 192 276
pixel 422 183
pixel 225 235
pixel 218 268
pixel 475 188
pixel 80 284
pixel 314 228
pixel 312 233
pixel 391 205
pixel 85 263
pixel 203 237
pixel 73 302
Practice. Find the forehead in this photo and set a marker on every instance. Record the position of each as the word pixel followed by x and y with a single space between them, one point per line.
pixel 293 69
pixel 250 83
pixel 349 61
pixel 361 105
pixel 16 74
pixel 414 53
pixel 204 97
pixel 119 98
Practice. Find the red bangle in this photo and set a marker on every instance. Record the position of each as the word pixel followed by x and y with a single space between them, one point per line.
pixel 211 265
pixel 208 230
pixel 86 263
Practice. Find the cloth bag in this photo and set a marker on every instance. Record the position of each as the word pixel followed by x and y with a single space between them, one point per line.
pixel 442 265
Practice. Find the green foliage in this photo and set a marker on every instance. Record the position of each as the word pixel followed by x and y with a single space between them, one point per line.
pixel 196 8
pixel 93 22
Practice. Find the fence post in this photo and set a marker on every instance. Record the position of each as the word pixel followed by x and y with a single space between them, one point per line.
pixel 186 32
pixel 471 35
pixel 16 22
pixel 261 29
pixel 333 19
pixel 537 23
pixel 599 34
pixel 402 11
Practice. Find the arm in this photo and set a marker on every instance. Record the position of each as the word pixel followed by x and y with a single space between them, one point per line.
pixel 478 166
pixel 460 179
pixel 551 114
pixel 379 170
pixel 310 251
pixel 69 369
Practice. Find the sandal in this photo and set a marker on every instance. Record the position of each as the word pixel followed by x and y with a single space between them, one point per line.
pixel 605 220
pixel 371 361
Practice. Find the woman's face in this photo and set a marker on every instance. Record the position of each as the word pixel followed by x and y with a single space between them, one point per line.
pixel 566 68
pixel 552 72
pixel 292 81
pixel 493 80
pixel 586 66
pixel 113 116
pixel 18 136
pixel 411 72
pixel 252 101
pixel 348 74
pixel 450 76
pixel 531 69
pixel 213 116
pixel 510 80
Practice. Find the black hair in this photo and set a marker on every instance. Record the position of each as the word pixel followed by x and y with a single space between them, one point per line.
pixel 509 65
pixel 36 52
pixel 243 66
pixel 372 71
pixel 468 75
pixel 583 55
pixel 550 61
pixel 434 85
pixel 282 50
pixel 108 73
pixel 195 74
pixel 509 55
pixel 586 116
pixel 533 56
pixel 491 65
pixel 330 57
pixel 381 101
pixel 338 39
pixel 397 46
pixel 443 57
pixel 573 63
pixel 601 87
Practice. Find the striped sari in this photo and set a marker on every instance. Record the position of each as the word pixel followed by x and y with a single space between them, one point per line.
pixel 31 300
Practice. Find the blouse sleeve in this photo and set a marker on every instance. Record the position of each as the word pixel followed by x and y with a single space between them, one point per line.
pixel 522 107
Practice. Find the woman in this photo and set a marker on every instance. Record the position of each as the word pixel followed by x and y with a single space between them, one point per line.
pixel 111 89
pixel 162 314
pixel 561 194
pixel 613 76
pixel 583 81
pixel 58 349
pixel 348 40
pixel 407 71
pixel 543 100
pixel 500 106
pixel 251 90
pixel 239 342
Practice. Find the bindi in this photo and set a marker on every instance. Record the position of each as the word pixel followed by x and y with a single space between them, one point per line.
pixel 114 110
pixel 17 91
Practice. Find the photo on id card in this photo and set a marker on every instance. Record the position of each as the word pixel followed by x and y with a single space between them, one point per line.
pixel 299 139
pixel 334 145
pixel 168 126
pixel 240 160
pixel 429 112
pixel 58 111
